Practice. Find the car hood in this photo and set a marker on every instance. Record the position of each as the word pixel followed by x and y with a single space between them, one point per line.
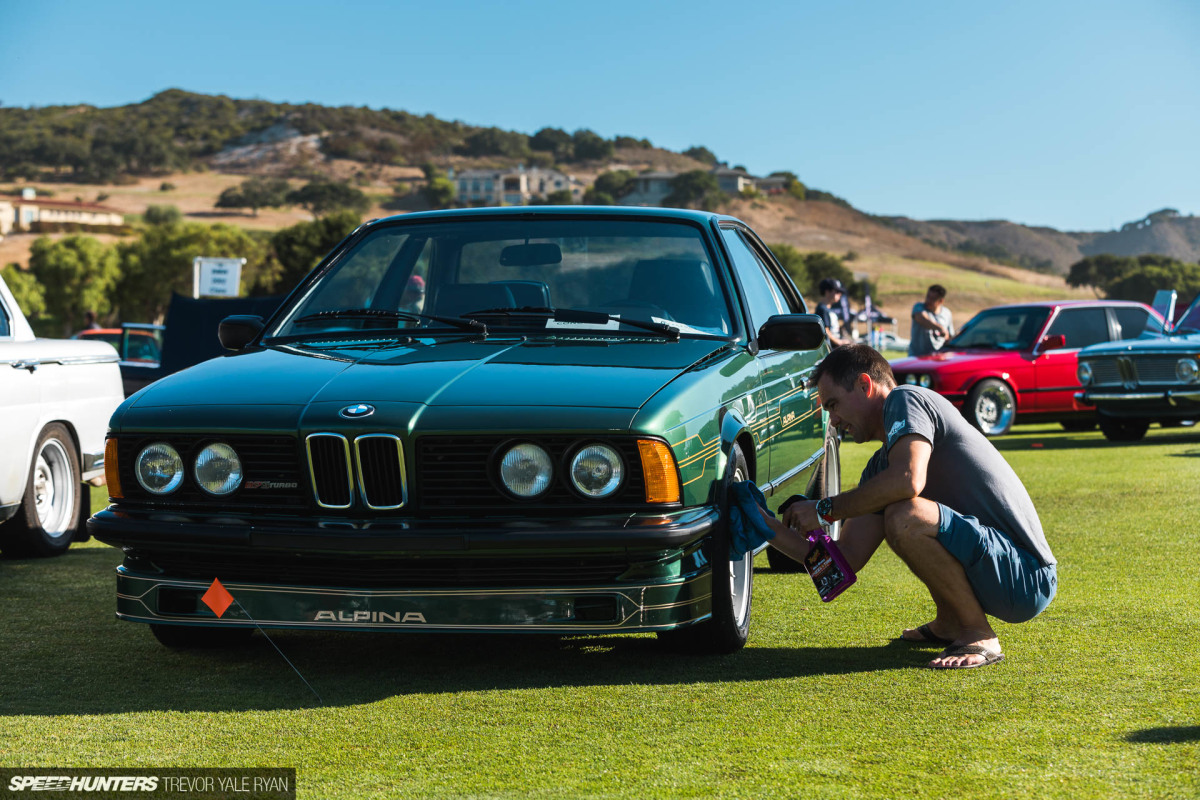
pixel 951 359
pixel 574 373
pixel 1187 343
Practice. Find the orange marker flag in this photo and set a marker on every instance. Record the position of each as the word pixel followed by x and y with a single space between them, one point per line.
pixel 217 598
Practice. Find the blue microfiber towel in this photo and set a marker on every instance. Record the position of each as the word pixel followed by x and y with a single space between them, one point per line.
pixel 747 530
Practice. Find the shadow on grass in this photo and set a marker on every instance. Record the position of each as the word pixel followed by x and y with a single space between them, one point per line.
pixel 65 653
pixel 1171 735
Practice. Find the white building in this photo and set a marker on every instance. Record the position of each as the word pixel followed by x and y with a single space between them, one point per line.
pixel 20 213
pixel 512 187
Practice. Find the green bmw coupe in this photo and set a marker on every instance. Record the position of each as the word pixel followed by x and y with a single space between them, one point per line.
pixel 510 419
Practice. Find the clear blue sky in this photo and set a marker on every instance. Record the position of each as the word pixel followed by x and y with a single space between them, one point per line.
pixel 1077 114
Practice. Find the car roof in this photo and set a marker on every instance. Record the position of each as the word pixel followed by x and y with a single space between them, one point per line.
pixel 1068 304
pixel 530 212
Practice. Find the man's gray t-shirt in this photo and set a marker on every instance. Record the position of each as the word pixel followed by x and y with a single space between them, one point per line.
pixel 922 341
pixel 966 472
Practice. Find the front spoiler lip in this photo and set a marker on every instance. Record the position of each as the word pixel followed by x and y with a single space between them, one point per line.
pixel 644 606
pixel 155 530
pixel 1170 396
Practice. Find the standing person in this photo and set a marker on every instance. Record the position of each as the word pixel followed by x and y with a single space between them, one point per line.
pixel 89 321
pixel 942 497
pixel 829 310
pixel 413 299
pixel 932 322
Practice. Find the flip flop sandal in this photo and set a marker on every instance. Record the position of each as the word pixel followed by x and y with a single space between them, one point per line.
pixel 989 656
pixel 929 637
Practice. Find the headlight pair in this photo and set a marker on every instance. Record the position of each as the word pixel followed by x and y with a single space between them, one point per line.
pixel 595 471
pixel 916 379
pixel 216 469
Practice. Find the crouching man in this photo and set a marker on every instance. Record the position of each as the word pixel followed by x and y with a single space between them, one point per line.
pixel 942 497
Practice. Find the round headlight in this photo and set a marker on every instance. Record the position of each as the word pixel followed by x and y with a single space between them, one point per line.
pixel 158 468
pixel 1084 373
pixel 526 471
pixel 218 469
pixel 910 379
pixel 1187 370
pixel 925 380
pixel 597 470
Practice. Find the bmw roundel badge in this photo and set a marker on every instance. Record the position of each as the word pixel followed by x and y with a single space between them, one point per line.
pixel 357 411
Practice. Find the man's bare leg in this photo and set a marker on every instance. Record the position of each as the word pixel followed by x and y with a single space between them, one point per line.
pixel 911 529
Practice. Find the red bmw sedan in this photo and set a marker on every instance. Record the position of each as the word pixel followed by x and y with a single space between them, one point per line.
pixel 1017 363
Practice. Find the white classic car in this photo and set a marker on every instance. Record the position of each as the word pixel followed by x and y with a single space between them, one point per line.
pixel 56 397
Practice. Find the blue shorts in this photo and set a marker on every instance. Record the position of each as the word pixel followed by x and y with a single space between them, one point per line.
pixel 1010 583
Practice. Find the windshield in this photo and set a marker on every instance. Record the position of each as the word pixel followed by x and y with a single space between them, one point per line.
pixel 1001 329
pixel 1190 321
pixel 529 274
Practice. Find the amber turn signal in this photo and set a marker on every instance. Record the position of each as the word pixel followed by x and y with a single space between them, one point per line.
pixel 659 472
pixel 111 475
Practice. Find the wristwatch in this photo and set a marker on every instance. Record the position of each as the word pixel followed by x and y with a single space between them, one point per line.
pixel 825 509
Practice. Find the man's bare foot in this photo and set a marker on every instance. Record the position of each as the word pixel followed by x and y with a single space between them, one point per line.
pixel 968 652
pixel 929 633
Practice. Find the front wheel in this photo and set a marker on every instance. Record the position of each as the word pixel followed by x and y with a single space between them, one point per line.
pixel 727 630
pixel 49 514
pixel 991 407
pixel 1123 430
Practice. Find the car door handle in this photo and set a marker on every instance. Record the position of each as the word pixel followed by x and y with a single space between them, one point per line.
pixel 30 364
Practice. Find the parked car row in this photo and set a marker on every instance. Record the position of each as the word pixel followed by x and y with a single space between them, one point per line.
pixel 1019 363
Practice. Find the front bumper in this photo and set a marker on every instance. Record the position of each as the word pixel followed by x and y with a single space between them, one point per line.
pixel 377 578
pixel 1145 404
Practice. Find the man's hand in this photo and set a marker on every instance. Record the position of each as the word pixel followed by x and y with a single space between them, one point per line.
pixel 802 516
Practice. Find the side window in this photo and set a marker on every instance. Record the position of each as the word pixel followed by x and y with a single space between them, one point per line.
pixel 1081 326
pixel 760 296
pixel 5 328
pixel 1133 322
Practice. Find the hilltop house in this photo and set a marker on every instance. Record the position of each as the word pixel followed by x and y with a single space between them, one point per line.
pixel 652 188
pixel 512 187
pixel 20 213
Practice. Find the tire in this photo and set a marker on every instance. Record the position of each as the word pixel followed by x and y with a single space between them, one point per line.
pixel 1123 430
pixel 728 629
pixel 826 482
pixel 991 407
pixel 1078 425
pixel 49 515
pixel 194 637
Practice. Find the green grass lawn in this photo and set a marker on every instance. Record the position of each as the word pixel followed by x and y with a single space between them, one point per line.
pixel 1098 697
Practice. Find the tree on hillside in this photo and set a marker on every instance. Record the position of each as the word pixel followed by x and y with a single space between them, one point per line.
pixel 495 142
pixel 323 195
pixel 77 274
pixel 792 184
pixel 160 262
pixel 301 247
pixel 701 154
pixel 631 142
pixel 255 193
pixel 554 141
pixel 1102 272
pixel 1141 283
pixel 591 146
pixel 695 189
pixel 162 215
pixel 438 191
pixel 610 187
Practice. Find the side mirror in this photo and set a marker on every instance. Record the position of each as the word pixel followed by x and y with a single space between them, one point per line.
pixel 792 332
pixel 1055 342
pixel 239 330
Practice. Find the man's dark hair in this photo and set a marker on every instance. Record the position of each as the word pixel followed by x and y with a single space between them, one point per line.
pixel 938 291
pixel 844 364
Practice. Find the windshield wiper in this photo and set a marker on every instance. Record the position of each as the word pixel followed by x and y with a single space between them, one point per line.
pixel 576 315
pixel 472 325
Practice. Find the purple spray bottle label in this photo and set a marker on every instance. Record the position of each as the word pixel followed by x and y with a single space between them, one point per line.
pixel 825 564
